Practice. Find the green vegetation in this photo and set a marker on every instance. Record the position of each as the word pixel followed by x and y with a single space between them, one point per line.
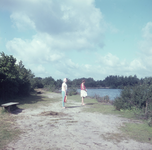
pixel 7 132
pixel 137 99
pixel 102 107
pixel 72 91
pixel 14 78
pixel 138 131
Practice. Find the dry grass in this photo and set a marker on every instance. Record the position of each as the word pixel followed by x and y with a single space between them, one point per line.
pixel 52 113
pixel 34 101
pixel 114 137
pixel 8 131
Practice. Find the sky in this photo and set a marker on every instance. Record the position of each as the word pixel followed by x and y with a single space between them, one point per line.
pixel 79 38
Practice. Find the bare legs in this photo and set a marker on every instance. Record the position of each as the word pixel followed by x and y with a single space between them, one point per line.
pixel 82 101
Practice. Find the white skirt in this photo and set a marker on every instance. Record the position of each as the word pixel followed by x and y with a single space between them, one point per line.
pixel 83 93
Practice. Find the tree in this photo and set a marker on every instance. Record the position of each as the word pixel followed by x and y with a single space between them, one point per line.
pixel 58 84
pixel 49 82
pixel 23 79
pixel 37 82
pixel 9 72
pixel 14 78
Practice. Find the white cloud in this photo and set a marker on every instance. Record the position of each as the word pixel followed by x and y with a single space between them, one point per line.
pixel 111 65
pixel 63 26
pixel 35 51
pixel 60 26
pixel 70 24
pixel 109 60
pixel 22 21
pixel 136 65
pixel 146 46
pixel 147 31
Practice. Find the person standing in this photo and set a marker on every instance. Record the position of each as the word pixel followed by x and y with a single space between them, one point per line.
pixel 83 91
pixel 64 91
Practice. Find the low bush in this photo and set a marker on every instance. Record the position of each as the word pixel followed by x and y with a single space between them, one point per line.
pixel 72 91
pixel 105 99
pixel 136 98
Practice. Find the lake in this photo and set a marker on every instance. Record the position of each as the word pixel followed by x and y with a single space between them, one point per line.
pixel 112 93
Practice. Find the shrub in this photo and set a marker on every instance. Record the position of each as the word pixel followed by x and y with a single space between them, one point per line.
pixel 106 99
pixel 136 98
pixel 124 101
pixel 72 91
pixel 98 98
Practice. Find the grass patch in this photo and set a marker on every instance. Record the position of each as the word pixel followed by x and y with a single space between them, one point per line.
pixel 138 131
pixel 100 108
pixel 7 132
pixel 105 108
pixel 93 105
pixel 77 98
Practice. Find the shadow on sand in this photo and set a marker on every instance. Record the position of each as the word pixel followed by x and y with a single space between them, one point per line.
pixel 72 106
pixel 90 103
pixel 80 105
pixel 17 111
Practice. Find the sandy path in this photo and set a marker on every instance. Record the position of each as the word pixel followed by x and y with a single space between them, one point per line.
pixel 75 130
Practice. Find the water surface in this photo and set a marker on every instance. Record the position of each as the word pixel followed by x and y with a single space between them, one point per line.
pixel 112 93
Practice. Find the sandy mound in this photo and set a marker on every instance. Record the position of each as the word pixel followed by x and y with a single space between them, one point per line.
pixel 52 113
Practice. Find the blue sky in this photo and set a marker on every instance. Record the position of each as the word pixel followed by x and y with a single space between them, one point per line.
pixel 75 38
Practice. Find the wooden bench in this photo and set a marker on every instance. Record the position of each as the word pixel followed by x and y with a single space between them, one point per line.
pixel 8 106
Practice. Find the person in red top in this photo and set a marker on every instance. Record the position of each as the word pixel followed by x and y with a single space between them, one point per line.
pixel 83 91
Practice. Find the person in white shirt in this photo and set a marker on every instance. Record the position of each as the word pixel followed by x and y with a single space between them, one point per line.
pixel 64 91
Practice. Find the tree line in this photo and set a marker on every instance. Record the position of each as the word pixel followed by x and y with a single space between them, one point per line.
pixel 16 80
pixel 114 82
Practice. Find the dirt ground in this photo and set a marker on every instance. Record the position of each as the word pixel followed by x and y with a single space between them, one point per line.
pixel 53 128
